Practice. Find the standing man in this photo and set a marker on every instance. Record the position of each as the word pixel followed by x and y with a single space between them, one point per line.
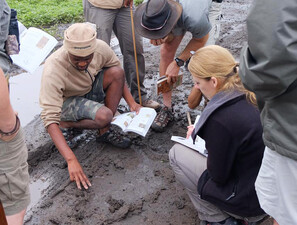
pixel 269 68
pixel 81 87
pixel 165 22
pixel 115 16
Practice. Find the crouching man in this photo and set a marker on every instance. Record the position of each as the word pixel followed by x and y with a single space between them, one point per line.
pixel 81 87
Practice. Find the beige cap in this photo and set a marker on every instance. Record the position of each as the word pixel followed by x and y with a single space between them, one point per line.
pixel 80 39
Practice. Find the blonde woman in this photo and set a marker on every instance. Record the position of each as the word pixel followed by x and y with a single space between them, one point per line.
pixel 221 186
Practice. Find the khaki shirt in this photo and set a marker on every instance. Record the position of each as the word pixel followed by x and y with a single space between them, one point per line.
pixel 60 80
pixel 107 4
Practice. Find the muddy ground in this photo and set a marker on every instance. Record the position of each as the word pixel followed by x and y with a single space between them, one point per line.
pixel 129 187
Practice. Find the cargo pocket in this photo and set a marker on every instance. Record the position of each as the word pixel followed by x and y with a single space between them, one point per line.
pixel 18 182
pixel 4 188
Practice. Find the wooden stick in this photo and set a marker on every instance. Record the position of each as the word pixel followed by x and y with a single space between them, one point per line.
pixel 189 118
pixel 135 54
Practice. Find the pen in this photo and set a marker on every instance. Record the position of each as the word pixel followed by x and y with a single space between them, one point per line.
pixel 189 118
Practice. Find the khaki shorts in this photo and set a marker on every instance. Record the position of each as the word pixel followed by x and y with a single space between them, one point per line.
pixel 14 176
pixel 85 107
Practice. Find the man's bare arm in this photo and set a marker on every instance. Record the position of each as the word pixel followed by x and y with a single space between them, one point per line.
pixel 75 170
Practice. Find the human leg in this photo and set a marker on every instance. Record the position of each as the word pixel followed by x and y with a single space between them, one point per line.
pixel 188 166
pixel 16 219
pixel 123 30
pixel 215 15
pixel 14 178
pixel 165 115
pixel 167 53
pixel 276 187
pixel 89 111
pixel 103 18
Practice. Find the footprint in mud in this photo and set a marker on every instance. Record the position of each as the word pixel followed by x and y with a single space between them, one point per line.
pixel 114 204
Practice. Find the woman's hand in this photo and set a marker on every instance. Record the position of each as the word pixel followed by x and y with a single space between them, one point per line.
pixel 190 130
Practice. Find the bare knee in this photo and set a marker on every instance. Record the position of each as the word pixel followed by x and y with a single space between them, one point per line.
pixel 16 219
pixel 115 73
pixel 172 154
pixel 103 117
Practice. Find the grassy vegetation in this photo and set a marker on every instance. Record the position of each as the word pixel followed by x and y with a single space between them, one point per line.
pixel 47 14
pixel 137 2
pixel 40 13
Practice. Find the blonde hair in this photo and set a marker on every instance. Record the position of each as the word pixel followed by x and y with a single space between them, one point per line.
pixel 218 62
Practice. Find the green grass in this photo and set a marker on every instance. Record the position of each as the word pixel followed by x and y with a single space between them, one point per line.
pixel 137 2
pixel 46 13
pixel 40 13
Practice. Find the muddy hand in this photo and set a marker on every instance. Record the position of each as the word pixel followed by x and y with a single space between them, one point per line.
pixel 76 174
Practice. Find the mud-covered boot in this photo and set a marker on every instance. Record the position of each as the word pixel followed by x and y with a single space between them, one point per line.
pixel 162 119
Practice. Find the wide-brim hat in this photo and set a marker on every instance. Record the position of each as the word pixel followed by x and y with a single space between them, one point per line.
pixel 156 18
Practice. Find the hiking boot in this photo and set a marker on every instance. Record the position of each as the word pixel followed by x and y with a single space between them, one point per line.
pixel 162 119
pixel 151 104
pixel 116 139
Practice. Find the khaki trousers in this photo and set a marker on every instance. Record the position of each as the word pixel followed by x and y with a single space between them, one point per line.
pixel 119 21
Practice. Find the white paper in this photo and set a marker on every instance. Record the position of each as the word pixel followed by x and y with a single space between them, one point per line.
pixel 199 144
pixel 140 123
pixel 35 45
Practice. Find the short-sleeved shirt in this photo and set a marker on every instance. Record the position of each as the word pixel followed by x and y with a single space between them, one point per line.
pixel 194 18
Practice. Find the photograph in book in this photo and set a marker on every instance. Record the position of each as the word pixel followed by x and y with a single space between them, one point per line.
pixel 198 145
pixel 138 123
pixel 35 45
pixel 163 86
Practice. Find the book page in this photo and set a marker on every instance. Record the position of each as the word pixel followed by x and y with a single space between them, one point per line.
pixel 199 144
pixel 123 120
pixel 35 45
pixel 143 121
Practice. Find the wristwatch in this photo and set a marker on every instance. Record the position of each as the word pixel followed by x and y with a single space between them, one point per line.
pixel 179 62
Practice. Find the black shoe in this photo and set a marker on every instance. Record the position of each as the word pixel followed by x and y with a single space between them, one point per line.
pixel 162 119
pixel 70 135
pixel 228 221
pixel 114 138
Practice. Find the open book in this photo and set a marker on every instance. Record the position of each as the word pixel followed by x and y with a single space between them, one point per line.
pixel 198 146
pixel 140 123
pixel 35 45
pixel 163 86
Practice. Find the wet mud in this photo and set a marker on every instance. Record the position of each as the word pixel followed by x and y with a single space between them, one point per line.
pixel 132 186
